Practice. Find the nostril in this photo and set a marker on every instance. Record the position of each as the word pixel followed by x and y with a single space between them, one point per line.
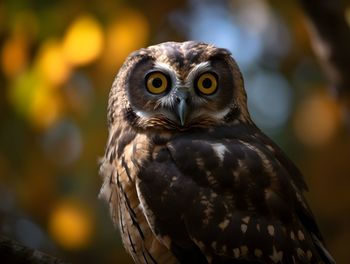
pixel 178 100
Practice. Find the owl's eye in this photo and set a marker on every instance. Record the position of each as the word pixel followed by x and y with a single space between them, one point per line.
pixel 156 82
pixel 207 83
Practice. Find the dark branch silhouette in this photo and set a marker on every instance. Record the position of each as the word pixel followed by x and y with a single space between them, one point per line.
pixel 13 252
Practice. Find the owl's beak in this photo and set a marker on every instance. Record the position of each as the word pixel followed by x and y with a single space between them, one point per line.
pixel 182 100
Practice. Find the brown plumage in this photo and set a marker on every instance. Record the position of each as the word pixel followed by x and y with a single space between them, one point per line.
pixel 188 176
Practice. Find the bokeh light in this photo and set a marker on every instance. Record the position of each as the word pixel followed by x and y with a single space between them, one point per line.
pixel 269 101
pixel 83 41
pixel 127 32
pixel 34 99
pixel 317 119
pixel 15 49
pixel 52 63
pixel 71 225
pixel 14 56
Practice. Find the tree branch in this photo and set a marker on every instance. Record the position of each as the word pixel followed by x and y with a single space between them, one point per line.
pixel 13 252
pixel 330 37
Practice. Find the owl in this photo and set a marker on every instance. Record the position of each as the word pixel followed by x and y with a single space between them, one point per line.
pixel 188 176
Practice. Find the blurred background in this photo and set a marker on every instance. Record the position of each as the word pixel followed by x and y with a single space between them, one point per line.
pixel 57 62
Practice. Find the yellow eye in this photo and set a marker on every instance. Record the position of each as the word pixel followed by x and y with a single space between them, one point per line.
pixel 156 83
pixel 207 83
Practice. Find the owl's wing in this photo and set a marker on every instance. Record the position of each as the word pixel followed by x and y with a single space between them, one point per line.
pixel 223 195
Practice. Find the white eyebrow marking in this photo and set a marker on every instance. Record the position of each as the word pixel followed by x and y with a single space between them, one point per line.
pixel 200 68
pixel 196 70
pixel 166 68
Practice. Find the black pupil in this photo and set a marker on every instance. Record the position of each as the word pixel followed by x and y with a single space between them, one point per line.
pixel 207 83
pixel 157 82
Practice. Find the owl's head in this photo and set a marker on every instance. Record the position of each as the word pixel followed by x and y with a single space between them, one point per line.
pixel 178 86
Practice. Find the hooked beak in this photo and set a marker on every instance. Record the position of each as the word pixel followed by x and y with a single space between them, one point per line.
pixel 182 108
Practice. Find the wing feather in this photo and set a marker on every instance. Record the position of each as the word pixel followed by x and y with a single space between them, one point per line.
pixel 227 195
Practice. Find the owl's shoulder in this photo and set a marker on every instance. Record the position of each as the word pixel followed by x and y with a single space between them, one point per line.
pixel 242 147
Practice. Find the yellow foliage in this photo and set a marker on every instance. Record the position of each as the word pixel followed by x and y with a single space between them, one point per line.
pixel 33 98
pixel 52 63
pixel 14 53
pixel 14 56
pixel 45 107
pixel 129 32
pixel 20 93
pixel 83 41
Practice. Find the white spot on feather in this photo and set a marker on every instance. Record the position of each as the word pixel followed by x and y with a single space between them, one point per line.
pixel 244 250
pixel 300 253
pixel 309 254
pixel 258 253
pixel 236 252
pixel 220 150
pixel 200 163
pixel 271 230
pixel 244 228
pixel 224 224
pixel 276 256
pixel 246 219
pixel 292 236
pixel 258 227
pixel 301 235
pixel 213 195
pixel 224 248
